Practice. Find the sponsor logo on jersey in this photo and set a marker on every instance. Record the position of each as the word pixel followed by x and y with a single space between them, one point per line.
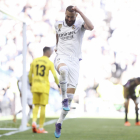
pixel 59 27
pixel 58 60
pixel 67 36
pixel 73 27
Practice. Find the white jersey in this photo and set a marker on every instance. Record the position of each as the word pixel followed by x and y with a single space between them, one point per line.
pixel 70 38
pixel 29 93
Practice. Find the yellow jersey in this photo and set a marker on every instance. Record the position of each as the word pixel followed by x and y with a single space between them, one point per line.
pixel 38 75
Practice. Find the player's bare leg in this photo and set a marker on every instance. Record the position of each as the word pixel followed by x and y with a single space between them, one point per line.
pixel 70 94
pixel 126 112
pixel 63 71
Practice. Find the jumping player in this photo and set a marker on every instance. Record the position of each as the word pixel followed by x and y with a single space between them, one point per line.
pixel 69 34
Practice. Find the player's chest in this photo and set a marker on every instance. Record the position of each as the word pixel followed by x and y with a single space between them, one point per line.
pixel 68 33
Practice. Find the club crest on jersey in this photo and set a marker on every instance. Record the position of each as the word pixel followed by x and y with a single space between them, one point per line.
pixel 59 26
pixel 73 27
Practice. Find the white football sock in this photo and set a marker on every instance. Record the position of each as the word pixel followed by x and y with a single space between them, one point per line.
pixel 63 81
pixel 63 112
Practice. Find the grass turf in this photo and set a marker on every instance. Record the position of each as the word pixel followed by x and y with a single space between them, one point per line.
pixel 10 124
pixel 85 129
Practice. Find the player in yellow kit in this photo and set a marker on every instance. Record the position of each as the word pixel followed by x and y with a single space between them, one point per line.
pixel 40 86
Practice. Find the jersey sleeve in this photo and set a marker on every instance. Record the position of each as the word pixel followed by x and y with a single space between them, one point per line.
pixel 81 23
pixel 54 74
pixel 30 73
pixel 56 28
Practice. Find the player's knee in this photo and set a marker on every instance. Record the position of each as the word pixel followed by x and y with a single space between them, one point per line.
pixel 126 103
pixel 125 100
pixel 63 73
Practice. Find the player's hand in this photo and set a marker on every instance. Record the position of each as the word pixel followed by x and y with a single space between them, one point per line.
pixel 55 50
pixel 59 89
pixel 76 9
pixel 60 92
pixel 58 86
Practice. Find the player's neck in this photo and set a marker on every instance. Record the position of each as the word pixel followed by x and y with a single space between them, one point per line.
pixel 46 56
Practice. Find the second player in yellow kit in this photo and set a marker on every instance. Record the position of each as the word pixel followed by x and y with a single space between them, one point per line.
pixel 40 85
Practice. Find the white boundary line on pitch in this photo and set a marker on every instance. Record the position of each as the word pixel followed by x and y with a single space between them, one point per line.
pixel 14 132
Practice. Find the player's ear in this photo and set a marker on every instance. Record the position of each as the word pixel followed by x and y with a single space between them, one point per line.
pixel 76 14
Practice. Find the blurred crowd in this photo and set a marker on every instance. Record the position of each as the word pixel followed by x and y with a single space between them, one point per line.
pixel 111 53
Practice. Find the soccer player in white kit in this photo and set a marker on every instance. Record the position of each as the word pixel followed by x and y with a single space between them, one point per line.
pixel 69 34
pixel 29 98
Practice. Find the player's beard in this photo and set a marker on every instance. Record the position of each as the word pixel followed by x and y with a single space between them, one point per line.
pixel 70 23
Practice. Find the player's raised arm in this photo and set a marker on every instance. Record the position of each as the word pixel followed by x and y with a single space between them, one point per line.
pixel 54 74
pixel 88 24
pixel 56 42
pixel 56 36
pixel 56 39
pixel 30 73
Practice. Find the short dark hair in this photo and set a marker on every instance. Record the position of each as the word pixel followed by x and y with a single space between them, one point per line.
pixel 46 49
pixel 69 8
pixel 138 78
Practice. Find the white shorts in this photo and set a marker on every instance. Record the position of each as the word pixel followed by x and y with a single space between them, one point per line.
pixel 29 97
pixel 73 68
pixel 30 101
pixel 29 94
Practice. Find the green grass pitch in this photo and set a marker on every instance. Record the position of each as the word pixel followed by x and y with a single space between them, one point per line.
pixel 85 129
